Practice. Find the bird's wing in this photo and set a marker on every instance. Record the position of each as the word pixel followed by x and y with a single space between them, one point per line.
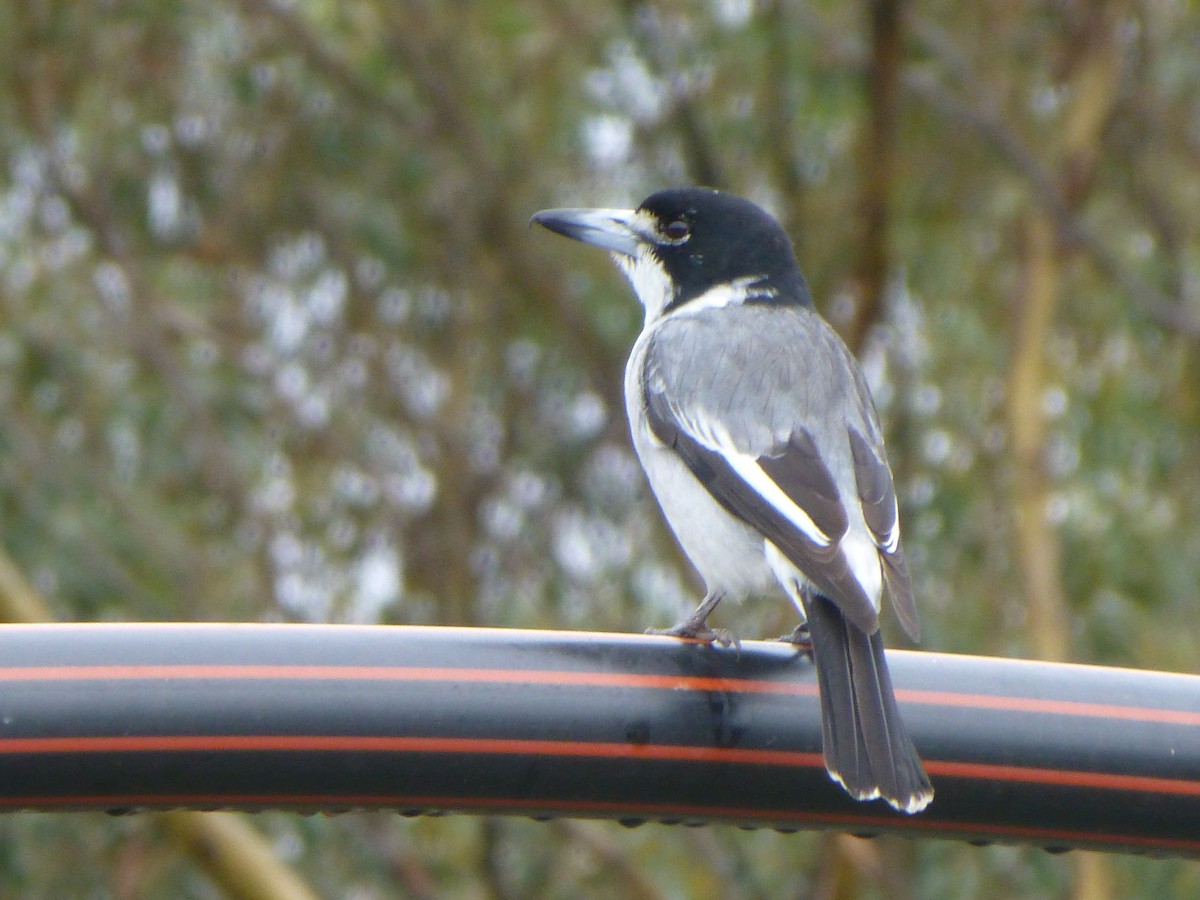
pixel 877 495
pixel 774 419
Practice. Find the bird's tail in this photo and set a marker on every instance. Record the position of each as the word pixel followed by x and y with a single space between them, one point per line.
pixel 867 748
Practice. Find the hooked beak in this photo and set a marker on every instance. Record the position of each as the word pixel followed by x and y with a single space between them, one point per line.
pixel 610 229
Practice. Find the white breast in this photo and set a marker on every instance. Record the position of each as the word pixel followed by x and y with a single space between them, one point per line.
pixel 727 553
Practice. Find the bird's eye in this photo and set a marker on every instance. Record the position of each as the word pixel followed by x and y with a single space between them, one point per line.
pixel 678 230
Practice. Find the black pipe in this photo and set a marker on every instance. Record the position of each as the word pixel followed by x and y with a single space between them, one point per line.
pixel 629 727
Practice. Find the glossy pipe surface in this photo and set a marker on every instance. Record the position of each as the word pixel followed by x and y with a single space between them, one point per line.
pixel 630 727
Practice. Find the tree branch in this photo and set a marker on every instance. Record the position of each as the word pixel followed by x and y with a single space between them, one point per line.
pixel 877 164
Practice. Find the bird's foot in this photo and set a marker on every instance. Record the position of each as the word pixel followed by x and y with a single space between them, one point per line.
pixel 695 627
pixel 799 637
pixel 698 630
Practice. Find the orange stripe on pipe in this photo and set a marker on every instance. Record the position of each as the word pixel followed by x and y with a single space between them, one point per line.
pixel 401 673
pixel 594 749
pixel 581 679
pixel 403 744
pixel 1051 707
pixel 1145 784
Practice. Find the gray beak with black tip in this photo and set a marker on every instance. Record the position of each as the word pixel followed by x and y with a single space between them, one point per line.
pixel 609 229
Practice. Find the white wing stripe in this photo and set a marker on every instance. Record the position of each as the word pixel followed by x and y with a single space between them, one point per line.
pixel 893 537
pixel 713 435
pixel 751 472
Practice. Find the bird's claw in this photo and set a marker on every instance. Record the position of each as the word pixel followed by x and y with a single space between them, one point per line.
pixel 700 631
pixel 799 637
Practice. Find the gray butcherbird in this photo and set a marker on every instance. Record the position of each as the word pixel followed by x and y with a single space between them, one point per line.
pixel 761 442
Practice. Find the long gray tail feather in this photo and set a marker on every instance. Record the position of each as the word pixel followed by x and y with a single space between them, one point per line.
pixel 867 747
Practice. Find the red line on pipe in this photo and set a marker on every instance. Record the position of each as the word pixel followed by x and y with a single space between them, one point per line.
pixel 580 679
pixel 595 749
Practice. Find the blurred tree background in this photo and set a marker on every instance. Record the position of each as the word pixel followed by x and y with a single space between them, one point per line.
pixel 277 344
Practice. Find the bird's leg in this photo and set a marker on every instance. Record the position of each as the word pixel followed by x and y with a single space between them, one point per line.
pixel 696 627
pixel 799 637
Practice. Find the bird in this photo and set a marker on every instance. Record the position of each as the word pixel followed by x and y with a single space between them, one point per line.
pixel 760 440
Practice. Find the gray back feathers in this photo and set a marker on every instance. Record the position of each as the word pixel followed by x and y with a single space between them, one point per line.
pixel 778 385
pixel 764 372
